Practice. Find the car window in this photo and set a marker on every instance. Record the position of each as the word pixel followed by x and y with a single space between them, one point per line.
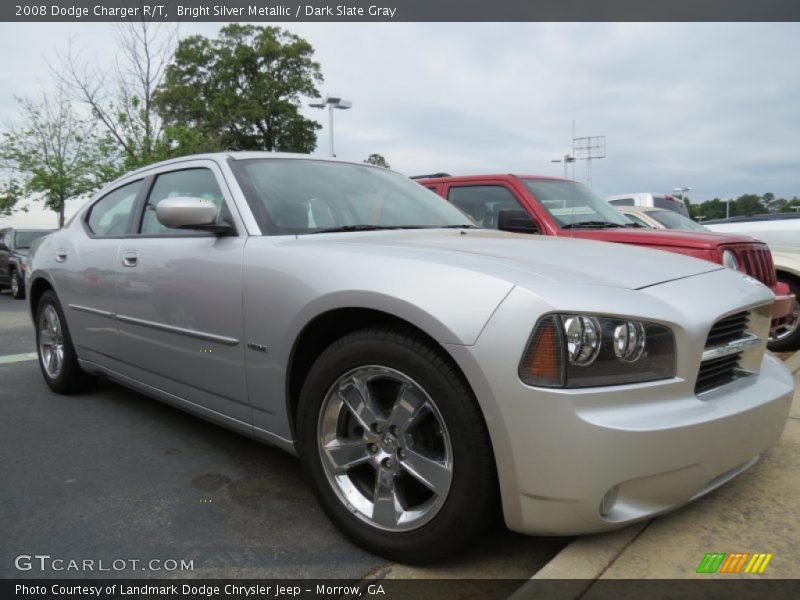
pixel 668 203
pixel 623 202
pixel 672 220
pixel 192 183
pixel 110 215
pixel 637 219
pixel 483 202
pixel 24 239
pixel 5 237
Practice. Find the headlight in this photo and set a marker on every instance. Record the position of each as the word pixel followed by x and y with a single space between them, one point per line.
pixel 586 350
pixel 729 260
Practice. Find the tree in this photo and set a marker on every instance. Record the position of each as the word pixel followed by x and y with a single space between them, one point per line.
pixel 242 89
pixel 378 160
pixel 53 152
pixel 747 204
pixel 122 98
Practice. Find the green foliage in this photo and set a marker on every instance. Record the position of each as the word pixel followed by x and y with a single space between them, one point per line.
pixel 378 160
pixel 744 205
pixel 240 91
pixel 53 152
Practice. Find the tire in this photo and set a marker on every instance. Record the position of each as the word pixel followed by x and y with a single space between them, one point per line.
pixel 788 337
pixel 57 358
pixel 17 285
pixel 437 434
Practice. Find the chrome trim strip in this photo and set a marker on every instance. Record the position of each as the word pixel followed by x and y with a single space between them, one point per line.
pixel 92 311
pixel 201 335
pixel 733 347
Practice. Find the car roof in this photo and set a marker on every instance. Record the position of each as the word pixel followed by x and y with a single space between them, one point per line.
pixel 475 178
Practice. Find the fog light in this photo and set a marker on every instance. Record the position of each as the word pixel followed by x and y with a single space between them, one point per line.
pixel 583 339
pixel 608 501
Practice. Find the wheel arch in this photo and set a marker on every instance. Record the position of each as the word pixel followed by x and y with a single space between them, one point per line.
pixel 329 326
pixel 38 287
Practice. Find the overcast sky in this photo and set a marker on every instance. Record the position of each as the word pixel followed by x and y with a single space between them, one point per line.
pixel 711 106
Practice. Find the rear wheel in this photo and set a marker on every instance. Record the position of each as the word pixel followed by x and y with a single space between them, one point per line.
pixel 57 357
pixel 787 337
pixel 17 285
pixel 396 446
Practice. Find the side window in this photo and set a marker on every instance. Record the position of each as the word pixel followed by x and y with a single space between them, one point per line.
pixel 5 237
pixel 109 216
pixel 622 202
pixel 193 183
pixel 483 202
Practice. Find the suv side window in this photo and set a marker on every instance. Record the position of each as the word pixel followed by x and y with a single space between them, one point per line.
pixel 110 215
pixel 193 183
pixel 483 202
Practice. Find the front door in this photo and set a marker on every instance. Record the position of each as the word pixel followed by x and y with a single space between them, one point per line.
pixel 179 300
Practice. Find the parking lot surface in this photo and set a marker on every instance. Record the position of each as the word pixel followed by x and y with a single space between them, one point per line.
pixel 113 475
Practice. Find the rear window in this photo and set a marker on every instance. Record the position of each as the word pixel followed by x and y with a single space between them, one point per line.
pixel 668 203
pixel 24 239
pixel 622 202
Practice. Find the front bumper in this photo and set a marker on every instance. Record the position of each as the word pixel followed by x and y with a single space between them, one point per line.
pixel 656 445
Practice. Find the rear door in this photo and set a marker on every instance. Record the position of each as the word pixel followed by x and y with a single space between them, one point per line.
pixel 180 298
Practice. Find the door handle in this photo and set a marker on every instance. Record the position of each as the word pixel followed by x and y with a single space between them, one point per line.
pixel 130 259
pixel 61 255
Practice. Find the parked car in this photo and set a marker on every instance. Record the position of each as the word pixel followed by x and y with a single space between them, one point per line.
pixel 651 200
pixel 14 246
pixel 782 233
pixel 558 207
pixel 419 366
pixel 659 218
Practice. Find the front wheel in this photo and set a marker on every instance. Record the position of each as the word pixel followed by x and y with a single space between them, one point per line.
pixel 787 337
pixel 17 285
pixel 396 446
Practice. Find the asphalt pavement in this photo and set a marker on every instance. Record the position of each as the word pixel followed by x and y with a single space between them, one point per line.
pixel 112 475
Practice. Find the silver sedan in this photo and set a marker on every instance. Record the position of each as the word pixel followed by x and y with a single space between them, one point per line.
pixel 425 371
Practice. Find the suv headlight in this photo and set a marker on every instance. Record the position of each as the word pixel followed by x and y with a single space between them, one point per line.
pixel 567 350
pixel 729 260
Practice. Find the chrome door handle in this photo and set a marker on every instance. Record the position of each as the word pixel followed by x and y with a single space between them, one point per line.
pixel 61 255
pixel 130 259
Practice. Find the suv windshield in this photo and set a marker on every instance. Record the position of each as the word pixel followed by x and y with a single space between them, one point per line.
pixel 291 196
pixel 24 239
pixel 573 205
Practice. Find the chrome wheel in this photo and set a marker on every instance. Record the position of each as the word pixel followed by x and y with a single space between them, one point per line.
pixel 784 331
pixel 385 449
pixel 51 342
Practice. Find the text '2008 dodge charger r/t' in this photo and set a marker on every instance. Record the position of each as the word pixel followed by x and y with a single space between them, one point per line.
pixel 421 368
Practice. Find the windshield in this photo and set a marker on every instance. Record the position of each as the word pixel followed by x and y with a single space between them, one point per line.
pixel 24 239
pixel 574 205
pixel 291 196
pixel 672 220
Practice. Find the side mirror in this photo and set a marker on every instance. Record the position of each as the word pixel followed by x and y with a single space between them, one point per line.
pixel 516 221
pixel 184 212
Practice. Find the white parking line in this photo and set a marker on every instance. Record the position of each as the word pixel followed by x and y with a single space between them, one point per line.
pixel 12 358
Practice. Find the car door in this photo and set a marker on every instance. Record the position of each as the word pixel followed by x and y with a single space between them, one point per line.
pixel 180 298
pixel 85 271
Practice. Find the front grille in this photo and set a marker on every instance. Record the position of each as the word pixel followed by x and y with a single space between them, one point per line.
pixel 722 362
pixel 756 260
pixel 727 329
pixel 717 372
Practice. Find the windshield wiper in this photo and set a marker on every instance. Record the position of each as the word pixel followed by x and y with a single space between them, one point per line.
pixel 592 225
pixel 343 228
pixel 462 226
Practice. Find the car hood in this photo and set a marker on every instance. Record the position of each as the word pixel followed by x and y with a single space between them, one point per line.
pixel 517 257
pixel 660 237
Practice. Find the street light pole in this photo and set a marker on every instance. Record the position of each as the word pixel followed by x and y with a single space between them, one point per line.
pixel 332 101
pixel 566 160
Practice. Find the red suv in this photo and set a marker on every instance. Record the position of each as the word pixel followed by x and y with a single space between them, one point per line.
pixel 552 206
